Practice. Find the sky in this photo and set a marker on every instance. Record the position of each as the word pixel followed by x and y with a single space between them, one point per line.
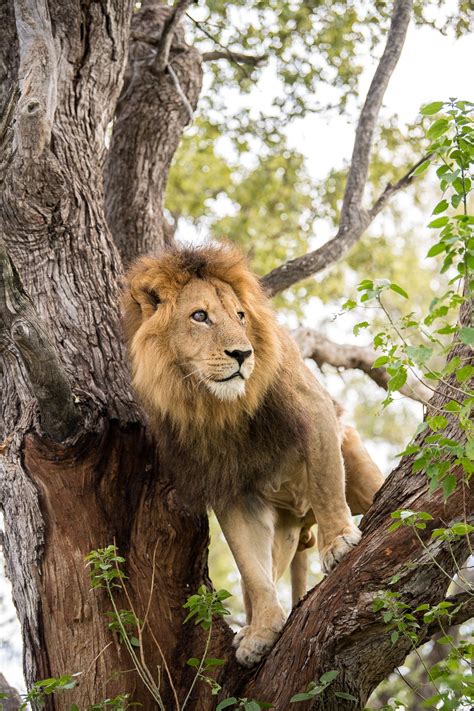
pixel 431 68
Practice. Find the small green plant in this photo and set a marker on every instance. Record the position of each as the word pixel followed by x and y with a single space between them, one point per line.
pixel 118 703
pixel 46 687
pixel 246 704
pixel 315 689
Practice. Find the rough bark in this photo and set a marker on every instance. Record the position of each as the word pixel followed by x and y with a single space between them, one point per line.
pixel 149 121
pixel 104 483
pixel 61 500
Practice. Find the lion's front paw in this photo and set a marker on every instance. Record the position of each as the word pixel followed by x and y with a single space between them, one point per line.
pixel 255 644
pixel 239 636
pixel 331 555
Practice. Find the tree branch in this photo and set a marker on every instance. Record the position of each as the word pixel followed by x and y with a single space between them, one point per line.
pixel 20 326
pixel 321 349
pixel 251 59
pixel 148 125
pixel 162 56
pixel 12 701
pixel 354 219
pixel 359 168
pixel 37 77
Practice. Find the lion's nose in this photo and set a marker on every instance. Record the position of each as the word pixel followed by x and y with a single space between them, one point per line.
pixel 239 356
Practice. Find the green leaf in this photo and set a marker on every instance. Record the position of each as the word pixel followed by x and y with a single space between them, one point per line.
pixel 421 168
pixel 398 380
pixel 462 529
pixel 437 249
pixel 437 422
pixel 398 290
pixel 449 484
pixel 299 697
pixel 441 207
pixel 437 129
pixel 251 706
pixel 433 108
pixel 465 373
pixel 382 360
pixel 226 703
pixel 359 326
pixel 344 695
pixel 466 335
pixel 212 662
pixel 439 222
pixel 329 676
pixel 193 662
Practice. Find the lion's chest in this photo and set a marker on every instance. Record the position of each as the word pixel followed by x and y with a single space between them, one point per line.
pixel 213 469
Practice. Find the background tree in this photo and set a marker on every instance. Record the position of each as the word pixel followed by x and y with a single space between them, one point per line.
pixel 79 470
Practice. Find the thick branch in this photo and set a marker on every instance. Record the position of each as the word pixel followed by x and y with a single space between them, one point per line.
pixel 21 327
pixel 359 167
pixel 161 60
pixel 250 59
pixel 37 77
pixel 321 349
pixel 354 219
pixel 151 115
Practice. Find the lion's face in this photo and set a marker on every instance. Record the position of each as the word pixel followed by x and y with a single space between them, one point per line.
pixel 201 335
pixel 208 333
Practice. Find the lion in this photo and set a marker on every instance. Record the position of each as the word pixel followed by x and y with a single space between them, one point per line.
pixel 243 425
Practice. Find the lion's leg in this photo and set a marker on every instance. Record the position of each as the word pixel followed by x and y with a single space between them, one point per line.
pixel 363 477
pixel 285 541
pixel 299 576
pixel 337 533
pixel 250 538
pixel 248 616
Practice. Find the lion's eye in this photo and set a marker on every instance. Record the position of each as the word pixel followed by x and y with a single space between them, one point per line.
pixel 241 315
pixel 199 316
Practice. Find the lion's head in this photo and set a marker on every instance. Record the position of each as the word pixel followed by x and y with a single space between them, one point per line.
pixel 201 334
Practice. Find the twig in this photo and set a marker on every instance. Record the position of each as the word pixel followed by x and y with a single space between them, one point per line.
pixel 162 57
pixel 180 92
pixel 354 220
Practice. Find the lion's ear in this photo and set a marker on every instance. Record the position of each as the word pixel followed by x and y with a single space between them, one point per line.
pixel 145 296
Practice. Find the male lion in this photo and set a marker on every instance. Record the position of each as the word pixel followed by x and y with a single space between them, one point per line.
pixel 244 427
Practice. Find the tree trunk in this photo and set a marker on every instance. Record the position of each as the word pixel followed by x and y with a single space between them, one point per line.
pixel 87 474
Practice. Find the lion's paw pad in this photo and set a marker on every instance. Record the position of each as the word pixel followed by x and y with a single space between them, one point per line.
pixel 340 546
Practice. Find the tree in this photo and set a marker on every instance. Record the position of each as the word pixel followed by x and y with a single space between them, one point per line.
pixel 79 470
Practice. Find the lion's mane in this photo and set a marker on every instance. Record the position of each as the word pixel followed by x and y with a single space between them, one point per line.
pixel 214 450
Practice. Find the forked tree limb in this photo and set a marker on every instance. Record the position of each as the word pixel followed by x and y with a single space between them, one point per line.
pixel 315 345
pixel 354 218
pixel 21 327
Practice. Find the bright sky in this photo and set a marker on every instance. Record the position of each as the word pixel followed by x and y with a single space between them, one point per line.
pixel 432 68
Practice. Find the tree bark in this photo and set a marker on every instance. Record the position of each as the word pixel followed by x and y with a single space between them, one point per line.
pixel 67 490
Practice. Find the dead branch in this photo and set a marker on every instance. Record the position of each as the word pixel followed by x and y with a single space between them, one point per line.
pixel 321 349
pixel 21 327
pixel 354 219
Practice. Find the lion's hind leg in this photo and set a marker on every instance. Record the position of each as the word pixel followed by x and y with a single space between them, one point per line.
pixel 363 477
